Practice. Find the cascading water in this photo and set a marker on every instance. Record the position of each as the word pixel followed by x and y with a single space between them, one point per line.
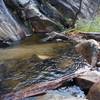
pixel 10 29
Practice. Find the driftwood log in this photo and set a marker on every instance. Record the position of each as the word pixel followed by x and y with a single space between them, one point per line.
pixel 39 88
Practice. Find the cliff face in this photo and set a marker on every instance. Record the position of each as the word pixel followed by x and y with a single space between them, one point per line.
pixel 42 15
pixel 51 15
pixel 10 29
pixel 71 7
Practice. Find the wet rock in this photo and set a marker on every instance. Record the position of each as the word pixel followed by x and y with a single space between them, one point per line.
pixel 89 49
pixel 10 29
pixel 70 93
pixel 94 92
pixel 53 15
pixel 40 17
pixel 65 63
pixel 86 80
pixel 55 36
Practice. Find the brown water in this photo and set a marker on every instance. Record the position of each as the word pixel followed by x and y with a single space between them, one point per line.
pixel 31 62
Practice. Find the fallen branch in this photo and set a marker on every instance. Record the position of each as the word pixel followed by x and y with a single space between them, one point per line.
pixel 39 88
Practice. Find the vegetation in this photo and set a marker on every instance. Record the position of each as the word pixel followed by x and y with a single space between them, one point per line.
pixel 88 25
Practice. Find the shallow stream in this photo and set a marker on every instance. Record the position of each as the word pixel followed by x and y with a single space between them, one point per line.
pixel 32 62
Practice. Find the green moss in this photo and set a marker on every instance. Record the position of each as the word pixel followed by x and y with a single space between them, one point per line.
pixel 88 25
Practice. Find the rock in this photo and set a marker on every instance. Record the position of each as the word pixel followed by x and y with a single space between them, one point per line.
pixel 94 92
pixel 55 36
pixel 52 15
pixel 44 87
pixel 63 64
pixel 40 17
pixel 89 49
pixel 10 29
pixel 92 35
pixel 86 80
pixel 98 64
pixel 70 93
pixel 70 8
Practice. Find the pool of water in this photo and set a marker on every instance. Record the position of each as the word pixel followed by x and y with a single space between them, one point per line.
pixel 31 62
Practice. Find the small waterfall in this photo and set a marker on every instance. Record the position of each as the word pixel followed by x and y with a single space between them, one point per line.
pixel 10 29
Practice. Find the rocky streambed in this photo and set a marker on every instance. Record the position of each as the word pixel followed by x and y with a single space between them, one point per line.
pixel 25 64
pixel 35 70
pixel 41 67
